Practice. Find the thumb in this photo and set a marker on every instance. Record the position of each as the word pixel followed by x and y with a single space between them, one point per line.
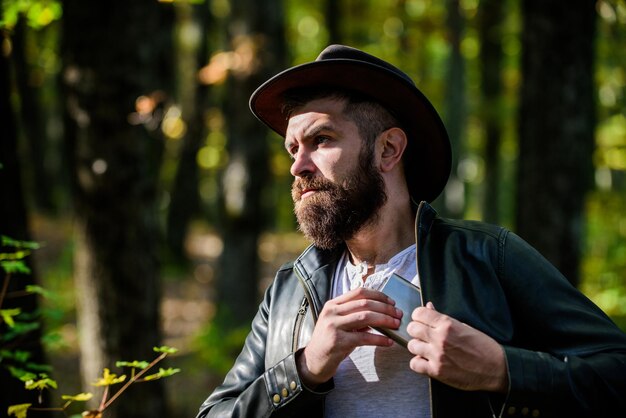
pixel 430 305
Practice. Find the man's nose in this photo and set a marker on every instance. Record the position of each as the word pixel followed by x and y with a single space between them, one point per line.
pixel 302 164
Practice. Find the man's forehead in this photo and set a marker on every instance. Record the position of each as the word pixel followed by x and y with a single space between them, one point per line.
pixel 322 103
pixel 327 112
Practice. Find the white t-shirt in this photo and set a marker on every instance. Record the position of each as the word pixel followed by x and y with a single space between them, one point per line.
pixel 377 381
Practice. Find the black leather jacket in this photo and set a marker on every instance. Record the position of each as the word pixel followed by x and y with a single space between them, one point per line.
pixel 565 357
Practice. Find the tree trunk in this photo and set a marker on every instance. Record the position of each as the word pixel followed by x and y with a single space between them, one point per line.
pixel 491 16
pixel 14 223
pixel 114 54
pixel 556 126
pixel 185 198
pixel 333 18
pixel 454 193
pixel 256 26
pixel 32 120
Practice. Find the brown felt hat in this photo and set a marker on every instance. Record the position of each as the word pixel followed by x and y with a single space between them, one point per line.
pixel 427 158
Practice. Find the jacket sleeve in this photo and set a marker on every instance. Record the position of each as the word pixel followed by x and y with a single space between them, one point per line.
pixel 251 390
pixel 567 358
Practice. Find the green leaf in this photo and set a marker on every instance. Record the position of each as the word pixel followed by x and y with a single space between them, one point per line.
pixel 44 383
pixel 42 13
pixel 10 242
pixel 20 328
pixel 8 314
pixel 15 267
pixel 20 356
pixel 16 255
pixel 109 379
pixel 19 411
pixel 38 290
pixel 21 374
pixel 81 397
pixel 134 364
pixel 162 373
pixel 165 349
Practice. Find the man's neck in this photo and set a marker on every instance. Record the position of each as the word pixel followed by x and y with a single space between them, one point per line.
pixel 380 240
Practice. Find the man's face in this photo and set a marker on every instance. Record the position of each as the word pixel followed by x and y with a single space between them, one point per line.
pixel 337 189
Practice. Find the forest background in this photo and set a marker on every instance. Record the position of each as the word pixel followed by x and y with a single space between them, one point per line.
pixel 162 207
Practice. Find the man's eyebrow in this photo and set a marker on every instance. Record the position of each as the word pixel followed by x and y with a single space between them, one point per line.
pixel 312 131
pixel 315 130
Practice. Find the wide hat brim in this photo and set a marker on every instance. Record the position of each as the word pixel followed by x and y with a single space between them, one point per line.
pixel 428 155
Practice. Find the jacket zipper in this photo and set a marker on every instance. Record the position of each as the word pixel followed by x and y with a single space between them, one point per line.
pixel 308 301
pixel 298 326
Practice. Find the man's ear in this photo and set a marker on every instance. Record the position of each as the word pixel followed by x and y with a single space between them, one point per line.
pixel 392 144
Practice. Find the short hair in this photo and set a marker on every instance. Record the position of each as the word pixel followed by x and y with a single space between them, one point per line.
pixel 370 117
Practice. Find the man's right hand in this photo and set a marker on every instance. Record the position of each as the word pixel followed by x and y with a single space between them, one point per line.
pixel 343 325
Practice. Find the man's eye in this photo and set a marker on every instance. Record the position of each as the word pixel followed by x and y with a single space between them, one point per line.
pixel 292 153
pixel 321 139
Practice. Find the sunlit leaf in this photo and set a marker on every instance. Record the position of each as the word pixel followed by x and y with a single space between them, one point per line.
pixel 15 267
pixel 10 242
pixel 81 397
pixel 21 374
pixel 8 314
pixel 38 290
pixel 38 13
pixel 134 364
pixel 20 328
pixel 109 379
pixel 19 411
pixel 162 373
pixel 165 349
pixel 15 255
pixel 40 384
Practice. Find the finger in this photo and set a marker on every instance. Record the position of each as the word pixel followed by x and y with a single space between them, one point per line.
pixel 369 338
pixel 419 348
pixel 426 315
pixel 419 330
pixel 364 293
pixel 366 305
pixel 420 365
pixel 365 319
pixel 430 305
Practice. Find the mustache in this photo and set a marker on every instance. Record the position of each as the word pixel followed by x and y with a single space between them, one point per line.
pixel 303 183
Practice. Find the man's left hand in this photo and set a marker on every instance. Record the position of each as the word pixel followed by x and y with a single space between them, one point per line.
pixel 455 353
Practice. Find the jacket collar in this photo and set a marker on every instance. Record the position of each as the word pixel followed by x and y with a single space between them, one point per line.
pixel 315 267
pixel 423 221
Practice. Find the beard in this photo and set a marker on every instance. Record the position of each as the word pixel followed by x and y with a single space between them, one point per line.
pixel 337 211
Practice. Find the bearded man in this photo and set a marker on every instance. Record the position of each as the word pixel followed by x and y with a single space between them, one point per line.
pixel 501 330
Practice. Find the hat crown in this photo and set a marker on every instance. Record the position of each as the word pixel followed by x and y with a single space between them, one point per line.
pixel 343 52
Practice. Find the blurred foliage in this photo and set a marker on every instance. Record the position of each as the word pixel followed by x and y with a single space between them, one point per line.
pixel 15 323
pixel 219 345
pixel 38 13
pixel 604 266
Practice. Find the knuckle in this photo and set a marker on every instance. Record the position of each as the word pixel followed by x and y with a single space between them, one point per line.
pixel 360 291
pixel 361 316
pixel 445 326
pixel 362 303
pixel 415 315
